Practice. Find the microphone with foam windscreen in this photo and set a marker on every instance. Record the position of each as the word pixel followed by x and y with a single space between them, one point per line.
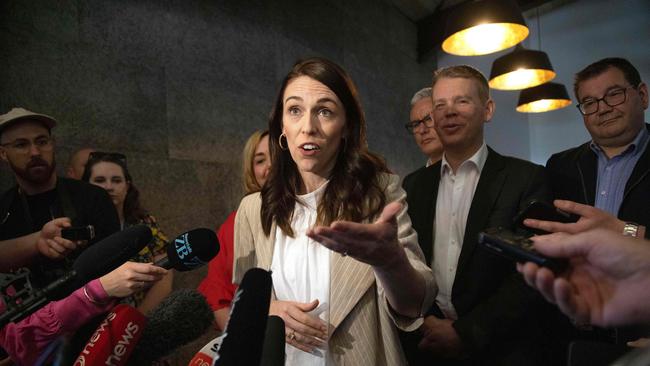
pixel 273 349
pixel 179 319
pixel 190 250
pixel 115 339
pixel 94 262
pixel 243 338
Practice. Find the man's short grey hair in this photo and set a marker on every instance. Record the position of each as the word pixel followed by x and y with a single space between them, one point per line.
pixel 421 94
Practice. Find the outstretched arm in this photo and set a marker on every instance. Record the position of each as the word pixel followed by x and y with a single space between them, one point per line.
pixel 376 244
pixel 608 279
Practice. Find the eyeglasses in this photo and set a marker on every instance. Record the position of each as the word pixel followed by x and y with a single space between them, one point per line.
pixel 107 156
pixel 23 146
pixel 612 98
pixel 413 125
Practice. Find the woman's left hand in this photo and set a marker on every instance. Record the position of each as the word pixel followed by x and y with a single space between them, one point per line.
pixel 375 244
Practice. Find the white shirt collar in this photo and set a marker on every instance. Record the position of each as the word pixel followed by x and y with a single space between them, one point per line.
pixel 478 160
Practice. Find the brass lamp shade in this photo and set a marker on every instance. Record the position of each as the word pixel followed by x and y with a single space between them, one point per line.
pixel 543 98
pixel 521 69
pixel 483 27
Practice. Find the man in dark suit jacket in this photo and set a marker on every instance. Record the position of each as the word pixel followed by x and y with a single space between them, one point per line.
pixel 484 312
pixel 611 172
pixel 606 180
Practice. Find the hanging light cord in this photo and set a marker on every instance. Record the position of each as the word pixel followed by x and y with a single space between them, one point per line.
pixel 539 32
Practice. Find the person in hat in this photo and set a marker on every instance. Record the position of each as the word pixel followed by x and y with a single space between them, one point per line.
pixel 27 146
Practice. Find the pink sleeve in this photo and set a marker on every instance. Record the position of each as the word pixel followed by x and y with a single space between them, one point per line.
pixel 24 341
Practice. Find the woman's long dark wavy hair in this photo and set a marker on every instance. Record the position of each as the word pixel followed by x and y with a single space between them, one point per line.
pixel 353 192
pixel 133 210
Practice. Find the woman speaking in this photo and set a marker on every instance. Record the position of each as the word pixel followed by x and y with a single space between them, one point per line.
pixel 331 225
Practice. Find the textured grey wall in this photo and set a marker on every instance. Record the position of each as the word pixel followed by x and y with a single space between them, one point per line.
pixel 179 85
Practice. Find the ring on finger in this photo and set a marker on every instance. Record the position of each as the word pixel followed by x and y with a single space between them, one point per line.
pixel 292 335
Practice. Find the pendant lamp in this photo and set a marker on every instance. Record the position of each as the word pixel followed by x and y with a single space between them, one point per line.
pixel 543 98
pixel 483 27
pixel 520 69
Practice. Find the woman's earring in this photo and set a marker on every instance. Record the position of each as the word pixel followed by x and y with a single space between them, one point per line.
pixel 280 142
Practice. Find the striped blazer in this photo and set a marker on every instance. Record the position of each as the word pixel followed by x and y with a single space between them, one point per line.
pixel 365 328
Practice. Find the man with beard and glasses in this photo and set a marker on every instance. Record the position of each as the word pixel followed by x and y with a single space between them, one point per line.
pixel 26 144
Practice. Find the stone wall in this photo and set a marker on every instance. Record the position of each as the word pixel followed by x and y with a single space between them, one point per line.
pixel 178 86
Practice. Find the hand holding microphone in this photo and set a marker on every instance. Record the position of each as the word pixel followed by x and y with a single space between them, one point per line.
pixel 95 261
pixel 131 277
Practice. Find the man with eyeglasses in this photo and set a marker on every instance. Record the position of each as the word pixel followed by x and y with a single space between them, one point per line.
pixel 612 171
pixel 606 180
pixel 27 146
pixel 421 125
pixel 484 313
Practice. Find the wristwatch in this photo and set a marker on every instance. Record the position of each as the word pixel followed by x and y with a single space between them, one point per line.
pixel 631 229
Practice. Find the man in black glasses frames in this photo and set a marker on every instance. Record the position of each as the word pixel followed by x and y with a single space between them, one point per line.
pixel 612 171
pixel 421 126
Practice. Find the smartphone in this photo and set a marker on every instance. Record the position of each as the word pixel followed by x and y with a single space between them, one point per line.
pixel 518 248
pixel 77 233
pixel 541 210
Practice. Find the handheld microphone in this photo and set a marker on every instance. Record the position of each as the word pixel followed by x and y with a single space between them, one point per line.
pixel 115 339
pixel 95 261
pixel 179 319
pixel 243 338
pixel 207 354
pixel 190 250
pixel 273 349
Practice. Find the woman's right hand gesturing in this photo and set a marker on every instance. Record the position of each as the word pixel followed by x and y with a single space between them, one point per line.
pixel 303 331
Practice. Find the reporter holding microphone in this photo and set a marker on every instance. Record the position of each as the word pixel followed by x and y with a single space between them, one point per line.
pixel 109 170
pixel 25 340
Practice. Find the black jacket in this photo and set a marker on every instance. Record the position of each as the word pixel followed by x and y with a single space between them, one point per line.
pixel 573 176
pixel 497 311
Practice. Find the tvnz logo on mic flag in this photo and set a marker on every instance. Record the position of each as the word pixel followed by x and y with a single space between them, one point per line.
pixel 184 250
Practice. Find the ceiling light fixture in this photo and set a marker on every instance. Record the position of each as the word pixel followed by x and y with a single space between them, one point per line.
pixel 483 27
pixel 543 98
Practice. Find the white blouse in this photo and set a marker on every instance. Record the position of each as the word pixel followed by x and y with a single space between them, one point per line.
pixel 301 271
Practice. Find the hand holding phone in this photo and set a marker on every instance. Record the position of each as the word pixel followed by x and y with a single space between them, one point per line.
pixel 518 248
pixel 540 210
pixel 78 233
